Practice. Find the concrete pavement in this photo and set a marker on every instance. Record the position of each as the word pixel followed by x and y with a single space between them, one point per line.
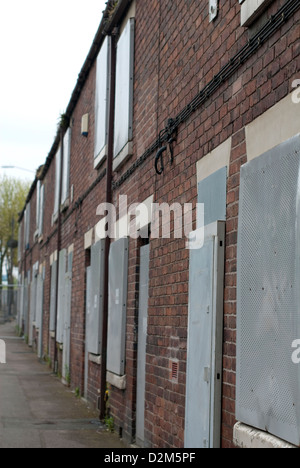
pixel 37 411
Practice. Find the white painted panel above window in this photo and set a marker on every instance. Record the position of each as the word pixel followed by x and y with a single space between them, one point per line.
pixel 124 93
pixel 101 103
pixel 251 9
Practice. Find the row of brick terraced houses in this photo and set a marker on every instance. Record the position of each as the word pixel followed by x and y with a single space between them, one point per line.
pixel 178 102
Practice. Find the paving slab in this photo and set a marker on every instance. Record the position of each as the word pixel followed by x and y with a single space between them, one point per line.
pixel 37 411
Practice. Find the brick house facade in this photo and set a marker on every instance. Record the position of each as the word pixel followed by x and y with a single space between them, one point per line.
pixel 221 88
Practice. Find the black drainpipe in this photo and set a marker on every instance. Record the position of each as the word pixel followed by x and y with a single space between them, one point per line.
pixel 58 244
pixel 109 171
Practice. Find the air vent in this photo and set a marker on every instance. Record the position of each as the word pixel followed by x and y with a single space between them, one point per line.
pixel 174 367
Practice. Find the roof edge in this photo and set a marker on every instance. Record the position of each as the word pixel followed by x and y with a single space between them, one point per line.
pixel 112 15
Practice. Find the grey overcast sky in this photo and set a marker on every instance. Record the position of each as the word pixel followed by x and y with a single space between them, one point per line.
pixel 43 46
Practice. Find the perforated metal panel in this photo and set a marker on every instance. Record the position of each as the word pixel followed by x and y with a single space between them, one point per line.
pixel 205 331
pixel 95 287
pixel 268 383
pixel 118 281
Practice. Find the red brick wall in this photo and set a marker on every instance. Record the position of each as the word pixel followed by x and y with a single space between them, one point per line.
pixel 177 52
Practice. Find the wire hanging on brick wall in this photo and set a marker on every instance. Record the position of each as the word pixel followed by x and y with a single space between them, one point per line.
pixel 171 130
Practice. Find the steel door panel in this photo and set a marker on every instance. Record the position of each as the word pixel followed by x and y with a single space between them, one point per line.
pixel 32 309
pixel 204 355
pixel 61 296
pixel 53 296
pixel 88 305
pixel 118 281
pixel 39 313
pixel 142 342
pixel 96 288
pixel 67 326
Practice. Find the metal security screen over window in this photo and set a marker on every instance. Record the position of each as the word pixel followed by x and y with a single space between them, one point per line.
pixel 124 88
pixel 268 383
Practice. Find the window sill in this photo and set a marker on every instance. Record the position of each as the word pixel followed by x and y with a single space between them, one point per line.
pixel 251 10
pixel 95 359
pixel 249 437
pixel 65 205
pixel 123 156
pixel 116 380
pixel 101 157
pixel 54 218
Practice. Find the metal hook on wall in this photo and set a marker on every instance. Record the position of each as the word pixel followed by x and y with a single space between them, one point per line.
pixel 159 158
pixel 171 138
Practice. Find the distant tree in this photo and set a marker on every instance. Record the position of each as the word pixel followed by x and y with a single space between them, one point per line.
pixel 13 193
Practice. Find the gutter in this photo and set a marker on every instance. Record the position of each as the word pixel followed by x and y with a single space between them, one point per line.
pixel 109 176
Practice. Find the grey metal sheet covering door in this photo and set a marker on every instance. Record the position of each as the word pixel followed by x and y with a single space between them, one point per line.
pixel 53 296
pixel 67 320
pixel 142 342
pixel 268 299
pixel 39 313
pixel 32 309
pixel 88 311
pixel 61 296
pixel 67 326
pixel 95 311
pixel 118 281
pixel 205 331
pixel 21 308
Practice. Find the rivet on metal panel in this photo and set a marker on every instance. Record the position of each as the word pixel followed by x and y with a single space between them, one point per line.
pixel 206 374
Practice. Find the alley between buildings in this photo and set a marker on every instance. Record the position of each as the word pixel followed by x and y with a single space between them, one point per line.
pixel 37 411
